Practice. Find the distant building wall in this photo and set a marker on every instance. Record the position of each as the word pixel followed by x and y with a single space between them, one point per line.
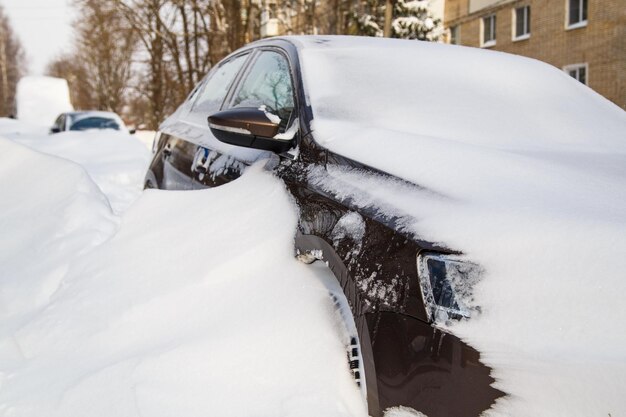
pixel 598 45
pixel 437 8
pixel 476 5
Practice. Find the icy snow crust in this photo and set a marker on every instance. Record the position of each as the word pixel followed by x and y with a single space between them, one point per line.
pixel 521 168
pixel 188 304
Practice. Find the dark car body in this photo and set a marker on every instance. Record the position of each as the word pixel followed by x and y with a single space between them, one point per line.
pixel 407 359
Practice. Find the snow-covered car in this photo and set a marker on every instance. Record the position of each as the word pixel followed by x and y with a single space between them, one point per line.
pixel 419 171
pixel 88 120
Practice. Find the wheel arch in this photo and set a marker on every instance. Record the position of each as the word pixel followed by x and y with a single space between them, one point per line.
pixel 322 250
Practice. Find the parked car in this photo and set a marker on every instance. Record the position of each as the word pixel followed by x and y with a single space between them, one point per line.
pixel 257 104
pixel 88 120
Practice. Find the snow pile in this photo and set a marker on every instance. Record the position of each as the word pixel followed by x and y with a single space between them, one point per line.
pixel 50 212
pixel 194 306
pixel 14 129
pixel 520 167
pixel 116 161
pixel 41 99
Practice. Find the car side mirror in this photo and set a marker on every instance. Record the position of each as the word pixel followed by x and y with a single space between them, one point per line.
pixel 250 127
pixel 55 130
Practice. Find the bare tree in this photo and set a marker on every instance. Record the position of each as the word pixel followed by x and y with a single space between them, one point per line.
pixel 74 72
pixel 12 65
pixel 177 43
pixel 104 48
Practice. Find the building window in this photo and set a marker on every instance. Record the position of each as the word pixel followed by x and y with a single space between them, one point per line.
pixel 576 13
pixel 454 35
pixel 578 71
pixel 488 32
pixel 521 23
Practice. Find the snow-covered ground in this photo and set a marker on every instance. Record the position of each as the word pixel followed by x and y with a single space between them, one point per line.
pixel 176 303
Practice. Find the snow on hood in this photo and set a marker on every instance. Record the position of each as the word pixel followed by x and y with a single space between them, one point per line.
pixel 524 170
pixel 467 95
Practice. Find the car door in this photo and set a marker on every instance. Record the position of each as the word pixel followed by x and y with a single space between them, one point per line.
pixel 189 131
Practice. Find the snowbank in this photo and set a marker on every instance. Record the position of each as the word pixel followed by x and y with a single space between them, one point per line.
pixel 524 170
pixel 116 161
pixel 51 212
pixel 41 99
pixel 14 129
pixel 194 307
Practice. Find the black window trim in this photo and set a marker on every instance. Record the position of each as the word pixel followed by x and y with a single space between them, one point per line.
pixel 243 73
pixel 211 72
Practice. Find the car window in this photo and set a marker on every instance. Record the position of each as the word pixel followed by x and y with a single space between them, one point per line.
pixel 268 84
pixel 216 87
pixel 95 123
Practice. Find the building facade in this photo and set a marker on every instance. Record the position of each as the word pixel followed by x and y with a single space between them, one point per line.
pixel 585 38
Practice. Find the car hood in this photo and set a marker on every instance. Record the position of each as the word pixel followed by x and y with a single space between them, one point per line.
pixel 589 182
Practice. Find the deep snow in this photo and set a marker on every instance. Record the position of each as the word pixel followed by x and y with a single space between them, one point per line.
pixel 187 304
pixel 115 161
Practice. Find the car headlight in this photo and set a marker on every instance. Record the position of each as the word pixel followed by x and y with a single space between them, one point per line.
pixel 446 282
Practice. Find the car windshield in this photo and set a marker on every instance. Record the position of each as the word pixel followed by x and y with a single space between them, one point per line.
pixel 95 123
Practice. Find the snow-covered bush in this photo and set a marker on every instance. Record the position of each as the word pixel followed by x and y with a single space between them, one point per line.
pixel 414 20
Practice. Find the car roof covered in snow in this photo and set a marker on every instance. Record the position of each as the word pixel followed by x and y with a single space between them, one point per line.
pixel 471 95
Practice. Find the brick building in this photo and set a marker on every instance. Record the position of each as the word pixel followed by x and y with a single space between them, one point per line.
pixel 585 38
